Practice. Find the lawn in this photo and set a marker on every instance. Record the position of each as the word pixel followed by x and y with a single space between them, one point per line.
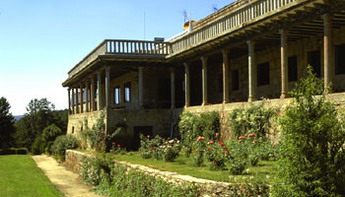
pixel 20 177
pixel 263 172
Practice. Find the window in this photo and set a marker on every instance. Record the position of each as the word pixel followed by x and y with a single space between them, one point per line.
pixel 292 68
pixel 340 59
pixel 117 95
pixel 314 60
pixel 235 81
pixel 128 92
pixel 263 74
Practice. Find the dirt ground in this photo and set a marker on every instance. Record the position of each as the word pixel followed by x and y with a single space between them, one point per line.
pixel 66 181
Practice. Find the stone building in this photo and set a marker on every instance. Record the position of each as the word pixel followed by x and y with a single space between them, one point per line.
pixel 246 51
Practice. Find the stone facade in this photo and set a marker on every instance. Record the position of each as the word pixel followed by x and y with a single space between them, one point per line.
pixel 247 51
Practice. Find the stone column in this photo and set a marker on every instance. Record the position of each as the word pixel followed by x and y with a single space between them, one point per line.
pixel 72 101
pixel 225 76
pixel 107 87
pixel 172 87
pixel 327 50
pixel 81 98
pixel 92 94
pixel 186 85
pixel 99 91
pixel 284 62
pixel 141 86
pixel 76 101
pixel 204 80
pixel 252 79
pixel 69 101
pixel 87 99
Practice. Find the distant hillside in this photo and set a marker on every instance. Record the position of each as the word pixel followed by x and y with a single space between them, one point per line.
pixel 16 118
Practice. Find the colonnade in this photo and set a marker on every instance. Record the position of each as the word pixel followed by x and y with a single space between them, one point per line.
pixel 95 99
pixel 252 66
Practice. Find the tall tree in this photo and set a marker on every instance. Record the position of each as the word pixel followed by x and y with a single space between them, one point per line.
pixel 39 115
pixel 6 124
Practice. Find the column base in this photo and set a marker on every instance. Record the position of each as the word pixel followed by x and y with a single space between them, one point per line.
pixel 284 95
pixel 203 104
pixel 251 99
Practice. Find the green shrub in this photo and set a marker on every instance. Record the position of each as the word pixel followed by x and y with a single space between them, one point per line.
pixel 254 119
pixel 38 146
pixel 312 145
pixel 48 136
pixel 62 143
pixel 116 180
pixel 136 183
pixel 159 148
pixel 191 126
pixel 94 137
pixel 95 170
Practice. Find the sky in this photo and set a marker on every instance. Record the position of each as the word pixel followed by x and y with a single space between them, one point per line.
pixel 41 40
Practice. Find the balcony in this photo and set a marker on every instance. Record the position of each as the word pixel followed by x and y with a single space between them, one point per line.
pixel 230 19
pixel 127 48
pixel 226 22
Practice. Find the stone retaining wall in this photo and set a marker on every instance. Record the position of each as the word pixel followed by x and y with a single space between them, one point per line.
pixel 207 187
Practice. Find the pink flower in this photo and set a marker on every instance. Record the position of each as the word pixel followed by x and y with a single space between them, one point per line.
pixel 118 145
pixel 241 137
pixel 251 135
pixel 200 138
pixel 222 144
pixel 113 143
pixel 217 134
pixel 210 142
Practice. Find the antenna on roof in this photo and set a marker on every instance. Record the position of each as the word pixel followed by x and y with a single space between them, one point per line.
pixel 214 8
pixel 185 16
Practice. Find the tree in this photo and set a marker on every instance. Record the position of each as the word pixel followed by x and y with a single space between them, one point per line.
pixel 6 124
pixel 29 129
pixel 313 136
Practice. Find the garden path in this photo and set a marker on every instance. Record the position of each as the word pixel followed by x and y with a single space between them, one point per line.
pixel 66 181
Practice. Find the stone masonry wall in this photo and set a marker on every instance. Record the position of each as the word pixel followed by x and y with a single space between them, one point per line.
pixel 207 187
pixel 338 99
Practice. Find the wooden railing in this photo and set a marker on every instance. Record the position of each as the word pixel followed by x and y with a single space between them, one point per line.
pixel 245 12
pixel 129 47
pixel 251 11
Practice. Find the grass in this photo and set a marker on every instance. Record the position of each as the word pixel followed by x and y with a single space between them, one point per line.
pixel 264 172
pixel 19 176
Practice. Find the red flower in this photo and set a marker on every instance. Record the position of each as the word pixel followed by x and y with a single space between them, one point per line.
pixel 200 138
pixel 241 137
pixel 222 144
pixel 113 143
pixel 208 148
pixel 210 142
pixel 251 135
pixel 152 148
pixel 118 145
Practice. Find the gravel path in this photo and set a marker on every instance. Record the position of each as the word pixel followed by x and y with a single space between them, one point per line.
pixel 65 180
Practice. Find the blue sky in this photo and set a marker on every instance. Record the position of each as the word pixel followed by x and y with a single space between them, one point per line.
pixel 41 40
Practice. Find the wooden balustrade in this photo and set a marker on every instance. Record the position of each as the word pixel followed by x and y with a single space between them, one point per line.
pixel 250 11
pixel 129 47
